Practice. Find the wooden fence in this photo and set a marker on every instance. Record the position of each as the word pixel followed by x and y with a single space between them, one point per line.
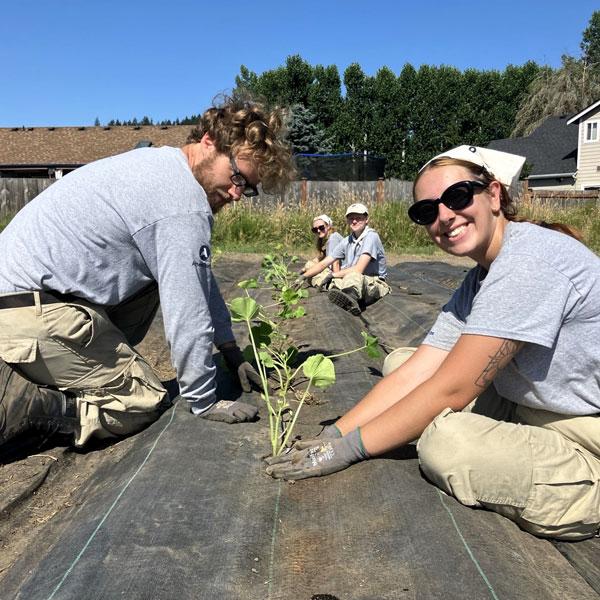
pixel 15 193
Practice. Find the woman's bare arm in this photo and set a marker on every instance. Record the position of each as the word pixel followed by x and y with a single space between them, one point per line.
pixel 467 371
pixel 391 389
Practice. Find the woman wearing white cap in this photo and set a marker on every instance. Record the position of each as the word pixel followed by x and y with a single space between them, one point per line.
pixel 326 239
pixel 361 279
pixel 504 391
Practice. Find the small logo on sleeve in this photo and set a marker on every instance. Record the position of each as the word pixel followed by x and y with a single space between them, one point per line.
pixel 203 257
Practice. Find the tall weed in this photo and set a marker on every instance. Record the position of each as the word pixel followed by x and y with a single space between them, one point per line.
pixel 255 227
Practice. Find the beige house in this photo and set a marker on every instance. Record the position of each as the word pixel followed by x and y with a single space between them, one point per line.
pixel 588 147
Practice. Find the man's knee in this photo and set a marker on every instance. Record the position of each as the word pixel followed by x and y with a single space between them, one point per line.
pixel 124 406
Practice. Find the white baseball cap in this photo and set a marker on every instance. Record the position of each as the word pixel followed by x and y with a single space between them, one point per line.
pixel 326 219
pixel 505 167
pixel 358 208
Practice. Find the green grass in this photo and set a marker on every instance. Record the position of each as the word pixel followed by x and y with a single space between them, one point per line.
pixel 252 228
pixel 256 228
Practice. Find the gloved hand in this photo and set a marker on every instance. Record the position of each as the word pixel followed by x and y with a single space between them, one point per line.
pixel 324 285
pixel 329 432
pixel 236 363
pixel 229 411
pixel 298 282
pixel 327 457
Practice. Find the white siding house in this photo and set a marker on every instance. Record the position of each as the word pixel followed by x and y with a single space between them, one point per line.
pixel 588 147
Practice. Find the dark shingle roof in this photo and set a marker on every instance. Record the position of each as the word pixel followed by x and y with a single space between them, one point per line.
pixel 81 145
pixel 551 148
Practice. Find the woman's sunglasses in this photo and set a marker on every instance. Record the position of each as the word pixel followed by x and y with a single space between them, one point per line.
pixel 456 197
pixel 317 229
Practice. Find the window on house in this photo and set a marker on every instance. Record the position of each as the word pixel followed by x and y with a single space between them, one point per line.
pixel 591 132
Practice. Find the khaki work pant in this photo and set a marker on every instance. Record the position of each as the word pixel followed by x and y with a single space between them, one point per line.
pixel 538 468
pixel 86 349
pixel 316 280
pixel 368 288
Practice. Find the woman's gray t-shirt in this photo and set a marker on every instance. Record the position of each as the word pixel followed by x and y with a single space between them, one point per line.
pixel 334 239
pixel 543 288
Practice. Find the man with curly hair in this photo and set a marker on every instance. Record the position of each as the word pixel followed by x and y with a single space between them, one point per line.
pixel 87 263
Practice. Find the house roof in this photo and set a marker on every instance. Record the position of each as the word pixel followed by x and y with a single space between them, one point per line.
pixel 550 150
pixel 583 113
pixel 62 146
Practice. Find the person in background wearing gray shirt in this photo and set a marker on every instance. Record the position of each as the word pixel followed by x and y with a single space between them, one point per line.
pixel 327 238
pixel 87 262
pixel 361 279
pixel 504 391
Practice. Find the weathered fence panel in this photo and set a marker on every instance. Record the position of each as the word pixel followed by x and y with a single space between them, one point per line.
pixel 15 193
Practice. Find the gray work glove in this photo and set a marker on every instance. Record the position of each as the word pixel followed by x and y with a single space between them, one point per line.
pixel 298 283
pixel 236 363
pixel 329 432
pixel 324 285
pixel 229 411
pixel 327 457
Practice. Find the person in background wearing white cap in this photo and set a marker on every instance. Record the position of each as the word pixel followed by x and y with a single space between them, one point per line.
pixel 504 391
pixel 326 239
pixel 361 280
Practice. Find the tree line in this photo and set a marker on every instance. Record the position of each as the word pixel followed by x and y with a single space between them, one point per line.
pixel 411 116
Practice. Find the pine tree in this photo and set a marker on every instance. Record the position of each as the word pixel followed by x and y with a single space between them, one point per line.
pixel 304 134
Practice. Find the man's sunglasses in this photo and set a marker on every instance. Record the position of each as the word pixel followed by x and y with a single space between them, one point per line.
pixel 456 197
pixel 317 229
pixel 240 181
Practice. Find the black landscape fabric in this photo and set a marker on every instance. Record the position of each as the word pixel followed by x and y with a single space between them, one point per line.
pixel 189 513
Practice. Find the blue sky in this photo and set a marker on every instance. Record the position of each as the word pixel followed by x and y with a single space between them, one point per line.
pixel 68 62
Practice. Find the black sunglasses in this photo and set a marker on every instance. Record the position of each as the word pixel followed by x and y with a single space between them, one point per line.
pixel 456 197
pixel 317 229
pixel 240 181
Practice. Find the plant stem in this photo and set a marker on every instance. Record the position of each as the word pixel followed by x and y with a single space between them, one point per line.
pixel 290 427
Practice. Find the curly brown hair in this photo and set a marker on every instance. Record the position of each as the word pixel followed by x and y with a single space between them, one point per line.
pixel 507 205
pixel 246 128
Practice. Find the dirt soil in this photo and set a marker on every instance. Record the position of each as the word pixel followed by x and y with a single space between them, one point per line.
pixel 39 478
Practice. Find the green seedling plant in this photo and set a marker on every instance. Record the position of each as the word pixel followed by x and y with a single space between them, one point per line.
pixel 268 346
pixel 276 273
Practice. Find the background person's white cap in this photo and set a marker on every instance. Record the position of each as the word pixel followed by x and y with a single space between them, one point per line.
pixel 326 219
pixel 358 208
pixel 505 167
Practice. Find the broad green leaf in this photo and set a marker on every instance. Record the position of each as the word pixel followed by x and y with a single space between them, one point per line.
pixel 243 309
pixel 289 296
pixel 248 284
pixel 320 369
pixel 371 345
pixel 262 333
pixel 299 312
pixel 265 359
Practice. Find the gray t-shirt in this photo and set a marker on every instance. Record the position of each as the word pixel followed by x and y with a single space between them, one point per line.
pixel 334 239
pixel 110 228
pixel 350 249
pixel 543 288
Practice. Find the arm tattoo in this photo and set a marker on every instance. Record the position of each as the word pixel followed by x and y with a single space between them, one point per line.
pixel 497 362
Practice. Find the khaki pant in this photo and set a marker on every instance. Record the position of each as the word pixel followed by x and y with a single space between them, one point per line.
pixel 87 349
pixel 538 468
pixel 316 280
pixel 368 288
